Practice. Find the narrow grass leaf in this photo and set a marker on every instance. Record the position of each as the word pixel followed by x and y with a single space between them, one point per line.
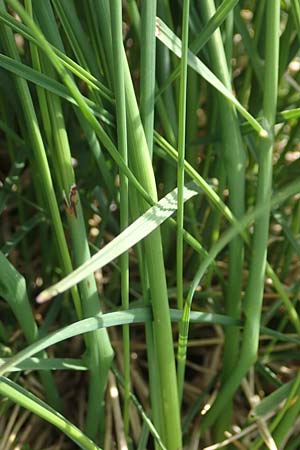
pixel 272 401
pixel 47 364
pixel 135 315
pixel 215 22
pixel 51 85
pixel 69 63
pixel 13 290
pixel 32 403
pixel 137 231
pixel 76 329
pixel 168 38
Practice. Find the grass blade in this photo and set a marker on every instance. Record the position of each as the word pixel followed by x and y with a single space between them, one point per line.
pixel 166 35
pixel 137 231
pixel 29 401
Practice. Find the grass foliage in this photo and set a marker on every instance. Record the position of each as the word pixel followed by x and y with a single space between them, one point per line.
pixel 150 224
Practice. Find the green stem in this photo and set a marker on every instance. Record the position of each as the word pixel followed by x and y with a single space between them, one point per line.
pixel 148 55
pixel 234 161
pixel 255 285
pixel 99 349
pixel 142 167
pixel 180 175
pixel 117 42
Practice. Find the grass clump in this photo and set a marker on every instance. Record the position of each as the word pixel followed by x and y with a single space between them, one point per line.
pixel 149 174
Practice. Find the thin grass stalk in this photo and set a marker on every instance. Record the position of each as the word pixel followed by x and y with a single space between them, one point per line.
pixel 133 12
pixel 234 161
pixel 141 163
pixel 296 16
pixel 218 203
pixel 154 378
pixel 51 31
pixel 255 285
pixel 250 45
pixel 199 42
pixel 100 352
pixel 148 57
pixel 180 177
pixel 181 153
pixel 117 44
pixel 94 36
pixel 164 63
pixel 68 81
pixel 287 417
pixel 41 161
pixel 99 349
pixel 247 86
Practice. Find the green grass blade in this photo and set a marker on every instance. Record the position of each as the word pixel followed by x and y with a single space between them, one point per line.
pixel 271 402
pixel 119 83
pixel 135 315
pixel 13 290
pixel 215 22
pixel 255 283
pixel 234 163
pixel 50 85
pixel 29 401
pixel 137 231
pixel 166 35
pixel 36 363
pixel 148 55
pixel 180 173
pixel 76 329
pixel 71 65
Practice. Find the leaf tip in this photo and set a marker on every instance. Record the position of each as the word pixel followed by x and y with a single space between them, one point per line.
pixel 44 296
pixel 263 133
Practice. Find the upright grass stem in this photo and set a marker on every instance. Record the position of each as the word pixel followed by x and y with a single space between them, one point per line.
pixel 255 285
pixel 141 164
pixel 222 12
pixel 148 56
pixel 68 81
pixel 234 161
pixel 180 174
pixel 100 353
pixel 181 150
pixel 99 349
pixel 117 44
pixel 39 158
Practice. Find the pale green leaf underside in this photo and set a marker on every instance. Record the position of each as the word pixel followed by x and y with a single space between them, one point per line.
pixel 133 234
pixel 137 315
